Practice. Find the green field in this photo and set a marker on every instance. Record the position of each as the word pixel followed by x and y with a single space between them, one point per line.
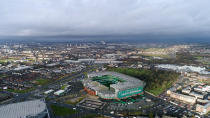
pixel 5 60
pixel 20 91
pixel 3 75
pixel 74 102
pixel 63 86
pixel 148 52
pixel 42 81
pixel 62 111
pixel 93 116
pixel 157 81
pixel 107 80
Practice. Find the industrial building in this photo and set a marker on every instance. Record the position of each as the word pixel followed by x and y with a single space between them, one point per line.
pixel 49 91
pixel 59 92
pixel 112 85
pixel 28 109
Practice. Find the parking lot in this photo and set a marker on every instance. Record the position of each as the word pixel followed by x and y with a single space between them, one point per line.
pixel 174 101
pixel 169 109
pixel 91 104
pixel 132 103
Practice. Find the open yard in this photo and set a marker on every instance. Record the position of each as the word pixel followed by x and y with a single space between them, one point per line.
pixel 62 111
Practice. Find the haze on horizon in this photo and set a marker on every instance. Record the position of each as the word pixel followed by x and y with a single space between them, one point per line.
pixel 162 18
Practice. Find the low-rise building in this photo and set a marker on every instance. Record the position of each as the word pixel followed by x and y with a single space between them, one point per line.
pixel 203 108
pixel 202 101
pixel 59 92
pixel 186 90
pixel 197 95
pixel 184 98
pixel 49 91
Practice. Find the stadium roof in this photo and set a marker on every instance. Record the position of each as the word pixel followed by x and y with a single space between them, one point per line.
pixel 118 81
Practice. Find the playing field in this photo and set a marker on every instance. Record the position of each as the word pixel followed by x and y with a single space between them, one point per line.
pixel 107 80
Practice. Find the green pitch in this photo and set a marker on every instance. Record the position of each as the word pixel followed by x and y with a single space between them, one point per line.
pixel 107 80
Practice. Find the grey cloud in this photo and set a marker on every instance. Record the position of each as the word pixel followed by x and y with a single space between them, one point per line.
pixel 103 17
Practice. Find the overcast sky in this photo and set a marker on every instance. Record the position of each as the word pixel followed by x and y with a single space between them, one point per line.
pixel 104 17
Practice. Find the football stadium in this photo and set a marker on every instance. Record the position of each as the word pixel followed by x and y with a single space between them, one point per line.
pixel 112 85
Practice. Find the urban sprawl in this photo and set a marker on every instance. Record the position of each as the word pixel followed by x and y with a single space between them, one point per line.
pixel 100 79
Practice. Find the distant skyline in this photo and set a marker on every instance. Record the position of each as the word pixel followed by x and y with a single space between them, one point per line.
pixel 147 19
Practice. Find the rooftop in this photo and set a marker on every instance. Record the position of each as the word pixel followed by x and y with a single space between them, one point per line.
pixel 22 109
pixel 116 80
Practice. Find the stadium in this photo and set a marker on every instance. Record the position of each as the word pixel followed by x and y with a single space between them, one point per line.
pixel 112 85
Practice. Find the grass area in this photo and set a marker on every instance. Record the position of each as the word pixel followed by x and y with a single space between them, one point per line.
pixel 61 77
pixel 75 101
pixel 181 58
pixel 137 113
pixel 20 91
pixel 63 87
pixel 86 74
pixel 93 116
pixel 157 55
pixel 3 75
pixel 153 49
pixel 206 82
pixel 62 111
pixel 150 52
pixel 199 57
pixel 157 81
pixel 2 61
pixel 42 81
pixel 31 59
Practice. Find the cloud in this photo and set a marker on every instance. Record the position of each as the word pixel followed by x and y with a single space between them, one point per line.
pixel 103 17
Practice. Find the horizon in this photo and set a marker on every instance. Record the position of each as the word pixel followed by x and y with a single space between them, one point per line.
pixel 109 39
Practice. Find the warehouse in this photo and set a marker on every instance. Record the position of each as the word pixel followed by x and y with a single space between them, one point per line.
pixel 59 92
pixel 112 85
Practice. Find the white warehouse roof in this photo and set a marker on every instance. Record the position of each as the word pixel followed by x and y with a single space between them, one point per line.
pixel 59 92
pixel 22 109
